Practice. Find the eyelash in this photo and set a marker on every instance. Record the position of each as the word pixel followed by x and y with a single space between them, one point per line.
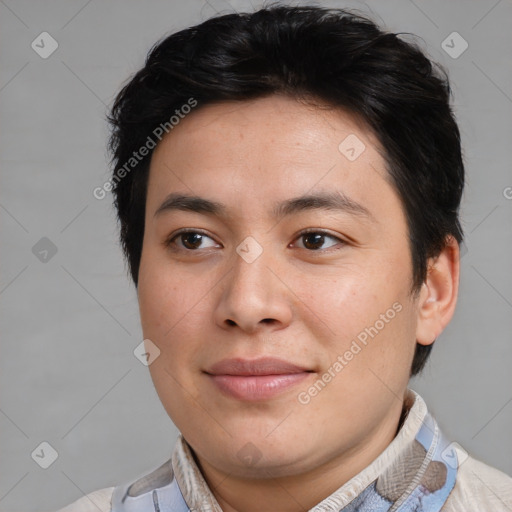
pixel 169 242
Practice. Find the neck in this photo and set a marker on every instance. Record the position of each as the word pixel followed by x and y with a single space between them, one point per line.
pixel 302 491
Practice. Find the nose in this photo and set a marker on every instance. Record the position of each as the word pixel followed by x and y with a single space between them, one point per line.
pixel 255 294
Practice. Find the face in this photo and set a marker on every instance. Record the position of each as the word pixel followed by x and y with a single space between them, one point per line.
pixel 286 327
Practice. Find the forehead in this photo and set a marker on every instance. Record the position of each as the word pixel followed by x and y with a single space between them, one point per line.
pixel 267 149
pixel 275 118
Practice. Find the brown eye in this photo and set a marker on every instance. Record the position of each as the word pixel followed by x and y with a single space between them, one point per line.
pixel 190 241
pixel 314 240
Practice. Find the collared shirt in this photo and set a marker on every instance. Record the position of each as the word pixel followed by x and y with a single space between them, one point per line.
pixel 419 471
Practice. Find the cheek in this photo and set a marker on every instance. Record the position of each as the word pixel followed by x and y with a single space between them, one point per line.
pixel 165 296
pixel 170 308
pixel 365 315
pixel 175 313
pixel 344 303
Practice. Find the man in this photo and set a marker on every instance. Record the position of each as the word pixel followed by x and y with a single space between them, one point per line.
pixel 288 185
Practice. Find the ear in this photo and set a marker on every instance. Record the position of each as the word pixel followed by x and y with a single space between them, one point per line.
pixel 438 294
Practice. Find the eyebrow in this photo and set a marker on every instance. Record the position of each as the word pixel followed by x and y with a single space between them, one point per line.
pixel 331 201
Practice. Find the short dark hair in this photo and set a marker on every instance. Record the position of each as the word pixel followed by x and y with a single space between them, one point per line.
pixel 308 52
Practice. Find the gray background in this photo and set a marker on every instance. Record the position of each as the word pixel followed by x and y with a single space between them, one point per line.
pixel 70 324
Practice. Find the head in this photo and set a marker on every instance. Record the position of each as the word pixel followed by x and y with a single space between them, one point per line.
pixel 229 125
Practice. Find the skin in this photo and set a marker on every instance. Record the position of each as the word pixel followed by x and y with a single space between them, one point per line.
pixel 202 305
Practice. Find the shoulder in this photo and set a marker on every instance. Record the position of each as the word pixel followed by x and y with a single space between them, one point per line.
pixel 97 501
pixel 483 486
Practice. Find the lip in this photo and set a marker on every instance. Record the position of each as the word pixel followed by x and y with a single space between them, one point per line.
pixel 255 367
pixel 257 379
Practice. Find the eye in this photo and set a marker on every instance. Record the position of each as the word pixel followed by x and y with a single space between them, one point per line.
pixel 190 240
pixel 314 239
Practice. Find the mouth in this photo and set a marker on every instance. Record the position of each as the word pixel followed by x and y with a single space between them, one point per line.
pixel 258 379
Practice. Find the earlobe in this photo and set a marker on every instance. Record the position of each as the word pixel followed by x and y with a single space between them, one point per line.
pixel 438 295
